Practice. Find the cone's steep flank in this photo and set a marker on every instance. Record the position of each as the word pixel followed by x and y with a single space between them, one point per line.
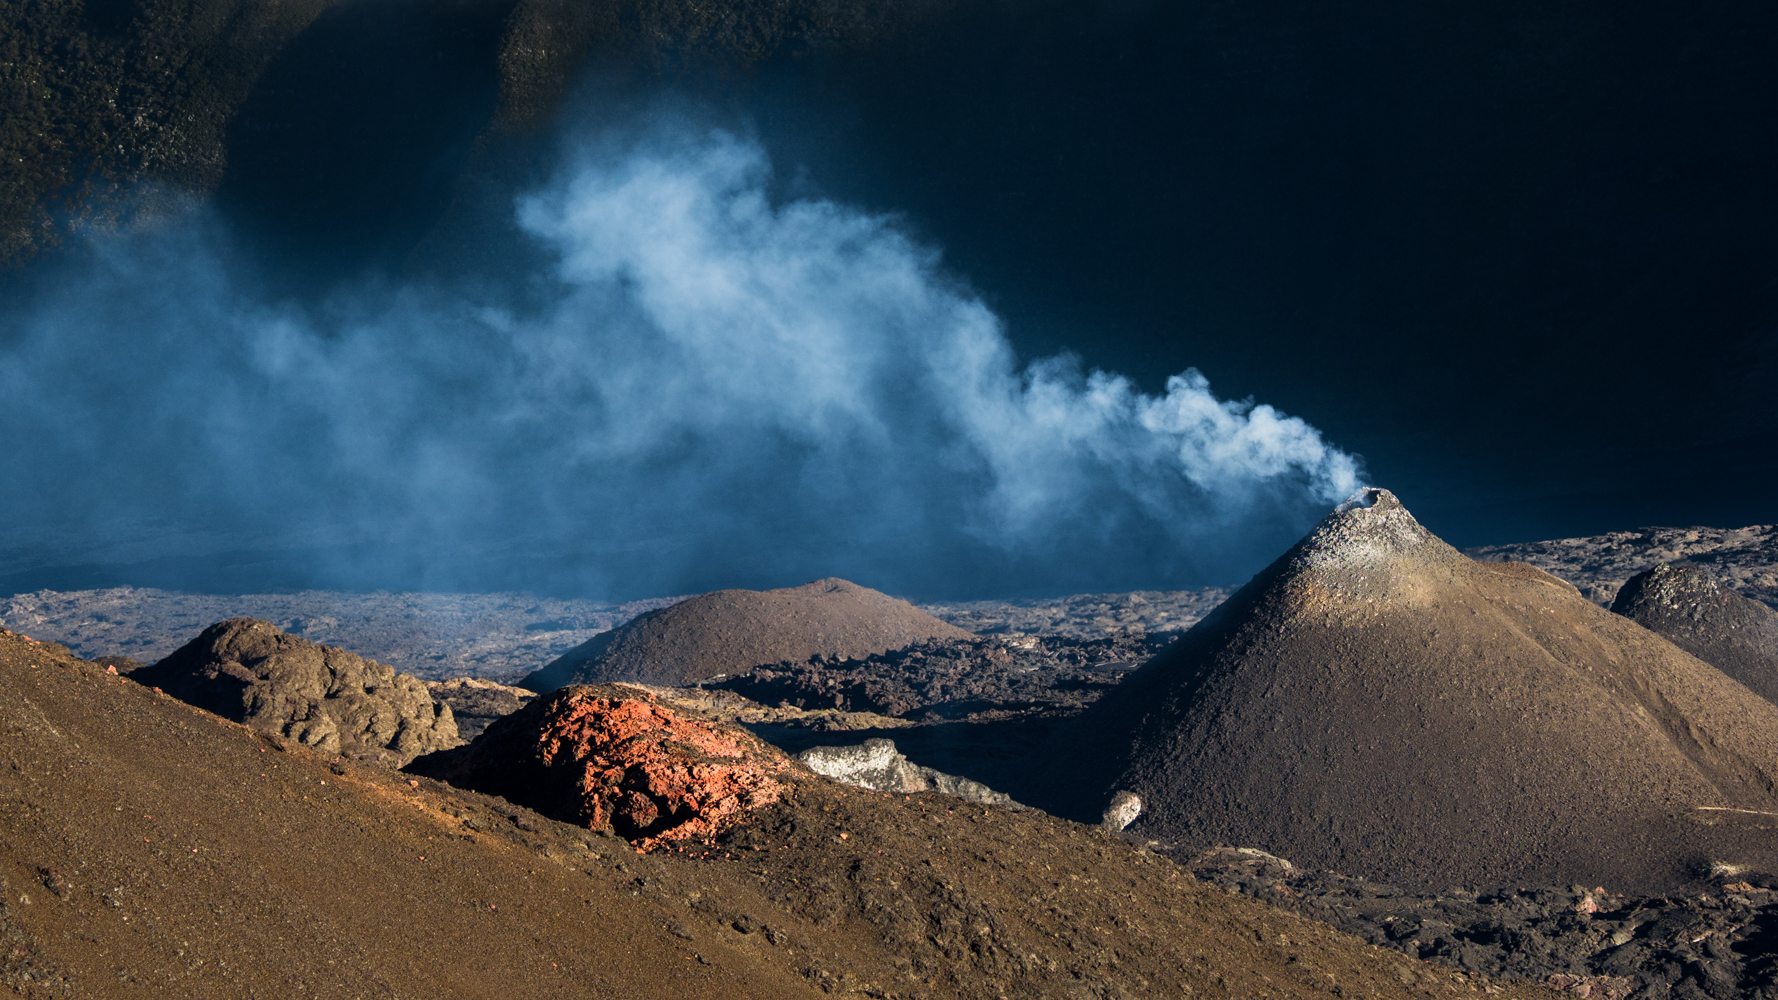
pixel 1378 703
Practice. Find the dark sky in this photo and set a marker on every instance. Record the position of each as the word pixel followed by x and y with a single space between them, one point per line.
pixel 1520 257
pixel 1523 257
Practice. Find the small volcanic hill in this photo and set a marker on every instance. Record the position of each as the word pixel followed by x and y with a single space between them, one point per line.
pixel 321 696
pixel 1694 611
pixel 149 849
pixel 730 631
pixel 1377 703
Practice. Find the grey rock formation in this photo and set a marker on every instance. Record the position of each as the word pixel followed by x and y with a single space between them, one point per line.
pixel 879 766
pixel 1582 940
pixel 1745 559
pixel 319 696
pixel 1125 806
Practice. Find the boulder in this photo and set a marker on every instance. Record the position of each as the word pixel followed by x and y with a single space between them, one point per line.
pixel 612 757
pixel 876 764
pixel 320 696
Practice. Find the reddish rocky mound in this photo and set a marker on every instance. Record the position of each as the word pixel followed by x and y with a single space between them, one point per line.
pixel 1377 703
pixel 1692 609
pixel 730 631
pixel 614 757
pixel 321 696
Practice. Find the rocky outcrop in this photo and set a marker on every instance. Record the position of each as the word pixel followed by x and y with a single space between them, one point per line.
pixel 1121 811
pixel 1695 611
pixel 877 765
pixel 731 631
pixel 320 696
pixel 614 757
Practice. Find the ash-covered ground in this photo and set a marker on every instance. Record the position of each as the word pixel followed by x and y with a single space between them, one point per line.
pixel 977 706
pixel 1586 941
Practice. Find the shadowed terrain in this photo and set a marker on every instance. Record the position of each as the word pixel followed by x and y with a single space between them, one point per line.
pixel 1687 605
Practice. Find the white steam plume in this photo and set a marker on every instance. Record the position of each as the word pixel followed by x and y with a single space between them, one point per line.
pixel 713 386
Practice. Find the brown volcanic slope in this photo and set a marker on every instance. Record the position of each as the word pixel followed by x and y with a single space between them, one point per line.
pixel 148 849
pixel 1377 703
pixel 1690 608
pixel 320 696
pixel 1745 559
pixel 729 631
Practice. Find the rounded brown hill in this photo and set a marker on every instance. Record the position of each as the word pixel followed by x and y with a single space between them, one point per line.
pixel 730 631
pixel 321 696
pixel 1377 703
pixel 1694 611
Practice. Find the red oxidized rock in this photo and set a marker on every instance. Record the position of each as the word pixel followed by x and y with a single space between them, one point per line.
pixel 613 757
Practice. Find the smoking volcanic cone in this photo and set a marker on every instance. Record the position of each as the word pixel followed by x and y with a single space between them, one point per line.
pixel 1695 612
pixel 729 631
pixel 1378 703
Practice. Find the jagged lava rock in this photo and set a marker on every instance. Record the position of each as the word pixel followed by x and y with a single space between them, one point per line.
pixel 1377 703
pixel 1696 612
pixel 975 678
pixel 612 756
pixel 476 703
pixel 729 631
pixel 321 696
